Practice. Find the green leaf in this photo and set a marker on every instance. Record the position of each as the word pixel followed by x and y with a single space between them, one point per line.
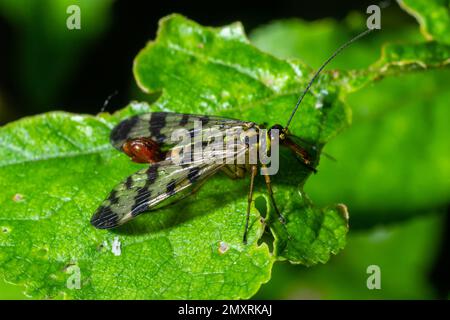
pixel 52 188
pixel 56 169
pixel 433 17
pixel 315 234
pixel 245 83
pixel 398 59
pixel 11 292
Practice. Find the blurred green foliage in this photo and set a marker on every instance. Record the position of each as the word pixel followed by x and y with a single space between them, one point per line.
pixel 47 51
pixel 404 252
pixel 433 16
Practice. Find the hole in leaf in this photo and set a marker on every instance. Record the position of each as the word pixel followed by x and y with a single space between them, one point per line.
pixel 42 252
pixel 261 206
pixel 267 238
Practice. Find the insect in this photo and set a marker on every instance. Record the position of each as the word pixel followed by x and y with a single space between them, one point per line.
pixel 147 139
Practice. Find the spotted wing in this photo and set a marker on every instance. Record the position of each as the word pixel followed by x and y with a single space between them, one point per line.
pixel 159 126
pixel 150 187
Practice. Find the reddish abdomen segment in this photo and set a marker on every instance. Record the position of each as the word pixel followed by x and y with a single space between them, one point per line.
pixel 143 150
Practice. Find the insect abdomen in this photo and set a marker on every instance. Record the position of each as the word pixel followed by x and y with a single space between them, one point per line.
pixel 143 150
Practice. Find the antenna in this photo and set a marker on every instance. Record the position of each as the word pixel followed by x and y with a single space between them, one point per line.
pixel 362 34
pixel 108 99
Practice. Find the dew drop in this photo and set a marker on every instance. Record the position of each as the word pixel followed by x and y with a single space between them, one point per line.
pixel 116 247
pixel 223 247
pixel 17 197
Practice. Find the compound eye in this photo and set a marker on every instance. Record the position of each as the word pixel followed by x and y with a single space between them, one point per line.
pixel 278 127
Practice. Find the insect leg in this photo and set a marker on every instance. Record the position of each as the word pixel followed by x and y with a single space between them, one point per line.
pixel 272 199
pixel 254 169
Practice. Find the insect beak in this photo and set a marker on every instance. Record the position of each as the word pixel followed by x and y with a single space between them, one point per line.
pixel 301 154
pixel 311 168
